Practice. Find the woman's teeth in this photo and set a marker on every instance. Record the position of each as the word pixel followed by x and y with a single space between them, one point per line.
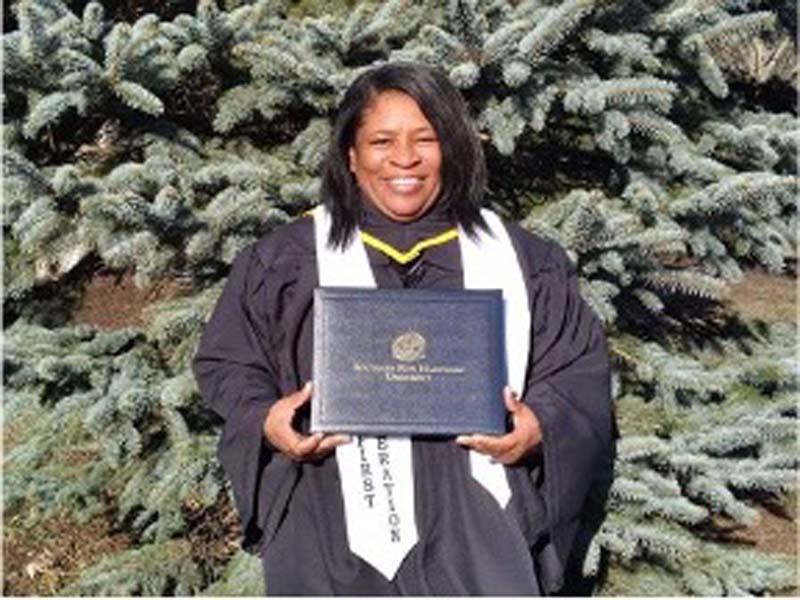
pixel 405 184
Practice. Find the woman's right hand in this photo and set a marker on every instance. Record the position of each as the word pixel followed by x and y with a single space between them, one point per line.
pixel 280 433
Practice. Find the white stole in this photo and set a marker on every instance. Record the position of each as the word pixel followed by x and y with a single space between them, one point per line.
pixel 376 473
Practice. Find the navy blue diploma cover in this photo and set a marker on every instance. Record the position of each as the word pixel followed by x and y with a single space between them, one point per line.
pixel 408 361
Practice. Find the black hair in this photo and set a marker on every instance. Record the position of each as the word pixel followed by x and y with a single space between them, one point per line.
pixel 463 170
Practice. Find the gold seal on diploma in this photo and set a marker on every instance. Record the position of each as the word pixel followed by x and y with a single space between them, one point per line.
pixel 408 347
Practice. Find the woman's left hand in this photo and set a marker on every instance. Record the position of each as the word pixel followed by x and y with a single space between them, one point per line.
pixel 515 445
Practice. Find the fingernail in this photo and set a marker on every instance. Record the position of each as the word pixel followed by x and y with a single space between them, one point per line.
pixel 308 386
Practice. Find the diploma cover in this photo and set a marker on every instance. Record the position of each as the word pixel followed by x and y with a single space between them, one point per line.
pixel 408 361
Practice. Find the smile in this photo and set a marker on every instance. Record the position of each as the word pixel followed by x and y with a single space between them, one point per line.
pixel 405 184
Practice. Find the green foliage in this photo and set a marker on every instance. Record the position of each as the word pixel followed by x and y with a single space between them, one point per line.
pixel 177 211
pixel 637 134
pixel 153 570
pixel 744 215
pixel 694 444
pixel 59 62
pixel 123 427
pixel 53 378
pixel 243 577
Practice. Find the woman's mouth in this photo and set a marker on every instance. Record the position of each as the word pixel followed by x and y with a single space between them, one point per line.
pixel 405 185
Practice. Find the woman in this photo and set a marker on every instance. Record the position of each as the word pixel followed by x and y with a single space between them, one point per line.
pixel 404 179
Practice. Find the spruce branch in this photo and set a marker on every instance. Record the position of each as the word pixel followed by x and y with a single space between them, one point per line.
pixel 760 61
pixel 657 128
pixel 502 42
pixel 139 97
pixel 381 23
pixel 708 68
pixel 557 25
pixel 629 51
pixel 693 284
pixel 152 570
pixel 93 22
pixel 447 46
pixel 505 123
pixel 465 75
pixel 36 41
pixel 738 29
pixel 243 576
pixel 516 73
pixel 51 108
pixel 466 21
pixel 743 189
pixel 681 15
pixel 592 97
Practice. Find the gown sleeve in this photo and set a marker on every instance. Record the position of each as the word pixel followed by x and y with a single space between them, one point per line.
pixel 237 380
pixel 569 391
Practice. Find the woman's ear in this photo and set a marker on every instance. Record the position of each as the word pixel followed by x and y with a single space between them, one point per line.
pixel 351 156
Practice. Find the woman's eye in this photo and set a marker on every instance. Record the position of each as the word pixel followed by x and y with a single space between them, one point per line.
pixel 428 140
pixel 379 142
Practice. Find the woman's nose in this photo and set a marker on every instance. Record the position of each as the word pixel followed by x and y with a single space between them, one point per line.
pixel 405 154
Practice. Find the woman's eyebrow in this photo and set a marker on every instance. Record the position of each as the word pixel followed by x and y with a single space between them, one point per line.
pixel 424 129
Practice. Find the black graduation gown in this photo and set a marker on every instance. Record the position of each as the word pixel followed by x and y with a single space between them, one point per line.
pixel 257 348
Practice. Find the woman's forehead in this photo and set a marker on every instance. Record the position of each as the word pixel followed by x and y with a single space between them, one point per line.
pixel 392 108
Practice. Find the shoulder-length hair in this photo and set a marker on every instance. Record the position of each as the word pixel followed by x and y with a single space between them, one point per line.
pixel 463 170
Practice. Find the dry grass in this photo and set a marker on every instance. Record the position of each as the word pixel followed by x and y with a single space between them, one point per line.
pixel 765 297
pixel 39 561
pixel 112 301
pixel 775 533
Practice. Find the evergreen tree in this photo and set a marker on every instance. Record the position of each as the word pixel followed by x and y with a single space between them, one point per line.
pixel 655 140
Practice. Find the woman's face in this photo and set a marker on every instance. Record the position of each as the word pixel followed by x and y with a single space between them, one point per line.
pixel 396 157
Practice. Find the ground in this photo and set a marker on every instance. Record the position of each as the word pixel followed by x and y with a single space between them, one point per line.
pixel 764 296
pixel 112 301
pixel 41 560
pixel 776 532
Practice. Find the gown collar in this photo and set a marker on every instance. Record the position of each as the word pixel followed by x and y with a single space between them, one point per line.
pixel 404 236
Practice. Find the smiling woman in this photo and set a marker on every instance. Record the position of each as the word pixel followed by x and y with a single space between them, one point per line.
pixel 470 515
pixel 403 140
pixel 396 157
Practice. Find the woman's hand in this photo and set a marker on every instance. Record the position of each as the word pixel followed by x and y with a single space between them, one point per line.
pixel 513 446
pixel 280 433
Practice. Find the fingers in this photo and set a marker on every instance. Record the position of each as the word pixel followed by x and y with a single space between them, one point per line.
pixel 305 446
pixel 477 441
pixel 511 447
pixel 329 443
pixel 301 396
pixel 314 446
pixel 279 431
pixel 317 445
pixel 512 402
pixel 500 448
pixel 278 427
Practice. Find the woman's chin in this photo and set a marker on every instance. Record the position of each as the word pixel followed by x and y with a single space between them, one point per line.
pixel 404 212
